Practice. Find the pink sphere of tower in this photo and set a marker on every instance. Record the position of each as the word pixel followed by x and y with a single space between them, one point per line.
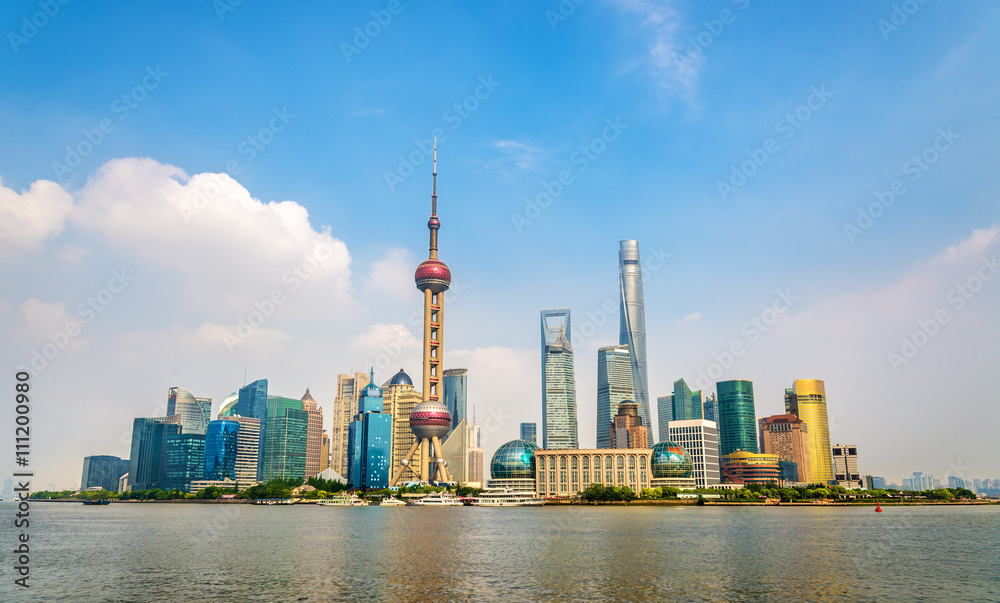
pixel 433 275
pixel 430 419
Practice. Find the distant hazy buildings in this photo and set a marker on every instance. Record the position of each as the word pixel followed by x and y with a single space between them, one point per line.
pixel 627 430
pixel 664 414
pixel 101 471
pixel 742 467
pixel 874 482
pixel 845 466
pixel 737 420
pixel 345 406
pixel 786 436
pixel 476 456
pixel 314 435
pixel 529 432
pixel 919 482
pixel 369 441
pixel 632 323
pixel 700 438
pixel 285 439
pixel 614 385
pixel 806 399
pixel 456 394
pixel 195 413
pixel 710 408
pixel 559 425
pixel 146 458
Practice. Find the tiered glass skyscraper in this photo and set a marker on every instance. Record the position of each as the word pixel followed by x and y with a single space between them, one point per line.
pixel 686 403
pixel 285 439
pixel 369 441
pixel 737 421
pixel 252 402
pixel 559 425
pixel 456 394
pixel 632 325
pixel 614 385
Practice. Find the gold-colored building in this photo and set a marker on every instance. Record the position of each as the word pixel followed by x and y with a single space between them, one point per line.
pixel 324 454
pixel 741 467
pixel 345 406
pixel 398 399
pixel 807 400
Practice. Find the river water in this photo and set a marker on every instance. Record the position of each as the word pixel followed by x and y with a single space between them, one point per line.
pixel 200 552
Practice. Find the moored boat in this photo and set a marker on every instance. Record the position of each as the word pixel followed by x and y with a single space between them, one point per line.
pixel 344 500
pixel 439 499
pixel 504 497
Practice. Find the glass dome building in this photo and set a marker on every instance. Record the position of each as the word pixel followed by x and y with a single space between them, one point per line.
pixel 513 466
pixel 670 461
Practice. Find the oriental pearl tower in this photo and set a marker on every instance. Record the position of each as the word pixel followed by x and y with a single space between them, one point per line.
pixel 430 420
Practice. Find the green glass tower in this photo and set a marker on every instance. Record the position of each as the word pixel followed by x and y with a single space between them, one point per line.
pixel 686 403
pixel 737 421
pixel 285 440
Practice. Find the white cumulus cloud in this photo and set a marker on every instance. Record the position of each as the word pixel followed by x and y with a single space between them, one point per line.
pixel 29 217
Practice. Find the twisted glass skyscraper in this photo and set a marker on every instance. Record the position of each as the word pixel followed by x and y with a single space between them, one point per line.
pixel 559 426
pixel 632 330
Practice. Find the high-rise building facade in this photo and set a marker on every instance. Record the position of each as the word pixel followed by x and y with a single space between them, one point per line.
pixel 314 435
pixel 627 430
pixel 845 466
pixel 664 414
pixel 146 458
pixel 345 406
pixel 700 438
pixel 399 398
pixel 228 408
pixel 743 467
pixel 737 420
pixel 285 439
pixel 455 450
pixel 686 403
pixel 529 432
pixel 102 471
pixel 710 408
pixel 559 424
pixel 324 454
pixel 221 445
pixel 614 385
pixel 787 437
pixel 184 460
pixel 252 402
pixel 632 324
pixel 370 441
pixel 476 456
pixel 807 400
pixel 247 450
pixel 195 412
pixel 456 394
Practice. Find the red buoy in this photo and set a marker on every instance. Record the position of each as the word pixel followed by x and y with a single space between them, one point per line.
pixel 878 508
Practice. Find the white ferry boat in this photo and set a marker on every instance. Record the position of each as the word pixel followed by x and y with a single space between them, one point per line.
pixel 344 500
pixel 503 497
pixel 439 499
pixel 391 502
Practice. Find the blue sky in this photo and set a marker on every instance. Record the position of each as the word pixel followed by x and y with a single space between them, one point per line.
pixel 696 88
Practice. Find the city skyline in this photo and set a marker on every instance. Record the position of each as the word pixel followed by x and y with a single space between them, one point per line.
pixel 203 224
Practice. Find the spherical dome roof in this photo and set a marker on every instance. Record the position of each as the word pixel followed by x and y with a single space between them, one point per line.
pixel 372 391
pixel 433 275
pixel 401 378
pixel 514 460
pixel 430 419
pixel 671 461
